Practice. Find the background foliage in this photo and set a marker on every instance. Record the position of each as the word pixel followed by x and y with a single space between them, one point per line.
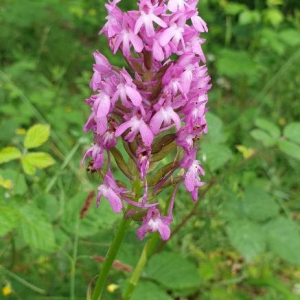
pixel 243 240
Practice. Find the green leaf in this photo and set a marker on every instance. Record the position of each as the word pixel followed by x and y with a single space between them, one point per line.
pixel 8 219
pixel 290 37
pixel 249 17
pixel 27 166
pixel 36 136
pixel 232 208
pixel 35 229
pixel 234 8
pixel 247 237
pixel 271 128
pixel 9 153
pixel 236 64
pixel 40 160
pixel 259 205
pixel 121 162
pixel 274 16
pixel 283 239
pixel 274 2
pixel 289 148
pixel 216 155
pixel 32 161
pixel 173 271
pixel 263 137
pixel 292 132
pixel 149 291
pixel 216 131
pixel 162 147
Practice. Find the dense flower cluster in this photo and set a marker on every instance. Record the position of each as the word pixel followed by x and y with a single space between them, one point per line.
pixel 162 95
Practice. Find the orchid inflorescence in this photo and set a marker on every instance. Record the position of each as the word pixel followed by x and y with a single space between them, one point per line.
pixel 156 107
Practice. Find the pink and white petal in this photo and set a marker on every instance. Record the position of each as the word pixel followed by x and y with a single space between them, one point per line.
pixel 142 231
pixel 159 21
pixel 158 52
pixel 149 27
pixel 131 136
pixel 194 194
pixel 103 107
pixel 199 24
pixel 176 120
pixel 117 43
pixel 146 133
pixel 164 231
pixel 166 36
pixel 190 180
pixel 156 122
pixel 123 127
pixel 114 201
pixel 86 154
pixel 101 125
pixel 138 25
pixel 137 43
pixel 134 95
pixel 90 123
pixel 172 5
pixel 126 45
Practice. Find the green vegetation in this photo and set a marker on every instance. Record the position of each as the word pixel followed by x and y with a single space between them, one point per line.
pixel 241 241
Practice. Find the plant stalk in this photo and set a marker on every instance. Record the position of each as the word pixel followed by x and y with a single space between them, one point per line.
pixel 114 247
pixel 137 272
pixel 110 257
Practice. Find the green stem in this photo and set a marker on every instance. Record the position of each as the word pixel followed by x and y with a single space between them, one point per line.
pixel 24 282
pixel 73 264
pixel 147 251
pixel 115 246
pixel 110 257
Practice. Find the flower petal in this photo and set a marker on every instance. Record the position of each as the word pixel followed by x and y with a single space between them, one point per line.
pixel 142 231
pixel 164 231
pixel 134 95
pixel 137 43
pixel 146 133
pixel 123 127
pixel 114 201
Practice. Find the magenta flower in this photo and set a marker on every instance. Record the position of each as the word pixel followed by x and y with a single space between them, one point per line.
pixel 126 38
pixel 126 89
pixel 148 16
pixel 156 106
pixel 136 125
pixel 153 222
pixel 175 5
pixel 112 192
pixel 165 116
pixel 96 153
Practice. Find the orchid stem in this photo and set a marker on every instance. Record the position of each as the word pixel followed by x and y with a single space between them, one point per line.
pixel 146 253
pixel 114 247
pixel 110 257
pixel 137 272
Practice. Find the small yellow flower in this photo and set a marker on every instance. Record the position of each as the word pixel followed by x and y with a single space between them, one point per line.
pixel 7 184
pixel 247 152
pixel 68 109
pixel 20 131
pixel 6 290
pixel 112 287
